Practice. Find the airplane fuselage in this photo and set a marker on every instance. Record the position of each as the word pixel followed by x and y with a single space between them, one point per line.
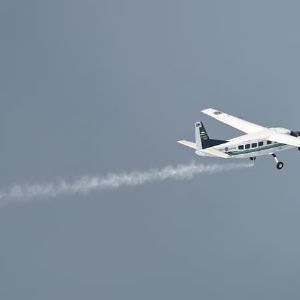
pixel 251 145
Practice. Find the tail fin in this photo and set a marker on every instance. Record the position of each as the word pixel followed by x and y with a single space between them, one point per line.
pixel 201 135
pixel 202 139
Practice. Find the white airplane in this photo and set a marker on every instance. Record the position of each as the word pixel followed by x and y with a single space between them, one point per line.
pixel 257 141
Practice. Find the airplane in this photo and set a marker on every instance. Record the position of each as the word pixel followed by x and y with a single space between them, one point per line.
pixel 257 140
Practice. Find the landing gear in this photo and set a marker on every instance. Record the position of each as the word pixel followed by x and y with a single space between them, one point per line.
pixel 253 159
pixel 299 148
pixel 279 164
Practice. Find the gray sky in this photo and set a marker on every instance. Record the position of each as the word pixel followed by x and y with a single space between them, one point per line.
pixel 102 86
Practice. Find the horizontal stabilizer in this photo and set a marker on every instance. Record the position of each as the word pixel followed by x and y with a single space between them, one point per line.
pixel 285 139
pixel 214 152
pixel 188 144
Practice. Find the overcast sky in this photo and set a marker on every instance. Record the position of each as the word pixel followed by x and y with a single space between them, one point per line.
pixel 91 87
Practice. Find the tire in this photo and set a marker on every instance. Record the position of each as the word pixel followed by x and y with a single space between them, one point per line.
pixel 299 148
pixel 280 165
pixel 254 158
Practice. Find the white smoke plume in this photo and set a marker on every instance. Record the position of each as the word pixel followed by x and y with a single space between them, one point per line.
pixel 86 184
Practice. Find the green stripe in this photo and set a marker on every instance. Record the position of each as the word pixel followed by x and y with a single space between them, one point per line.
pixel 233 153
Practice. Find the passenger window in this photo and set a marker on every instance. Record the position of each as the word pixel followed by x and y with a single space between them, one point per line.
pixel 260 144
pixel 269 142
pixel 254 145
pixel 247 146
pixel 241 147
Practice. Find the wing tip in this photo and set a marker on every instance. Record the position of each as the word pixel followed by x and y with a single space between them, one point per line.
pixel 211 111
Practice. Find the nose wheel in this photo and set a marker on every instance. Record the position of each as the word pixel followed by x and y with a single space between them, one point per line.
pixel 279 164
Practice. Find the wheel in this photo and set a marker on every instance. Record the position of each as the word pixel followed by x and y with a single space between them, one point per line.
pixel 280 165
pixel 299 148
pixel 252 158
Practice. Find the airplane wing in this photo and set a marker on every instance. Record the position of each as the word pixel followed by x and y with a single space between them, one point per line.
pixel 215 152
pixel 285 139
pixel 232 121
pixel 188 144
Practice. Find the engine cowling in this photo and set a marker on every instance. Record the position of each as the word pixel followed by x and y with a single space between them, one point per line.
pixel 295 133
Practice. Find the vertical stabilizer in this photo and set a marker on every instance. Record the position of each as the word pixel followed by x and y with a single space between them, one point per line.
pixel 201 135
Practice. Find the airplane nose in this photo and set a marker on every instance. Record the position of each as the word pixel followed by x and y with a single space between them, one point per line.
pixel 295 133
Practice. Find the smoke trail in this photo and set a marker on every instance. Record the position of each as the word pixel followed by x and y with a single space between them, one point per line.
pixel 86 184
